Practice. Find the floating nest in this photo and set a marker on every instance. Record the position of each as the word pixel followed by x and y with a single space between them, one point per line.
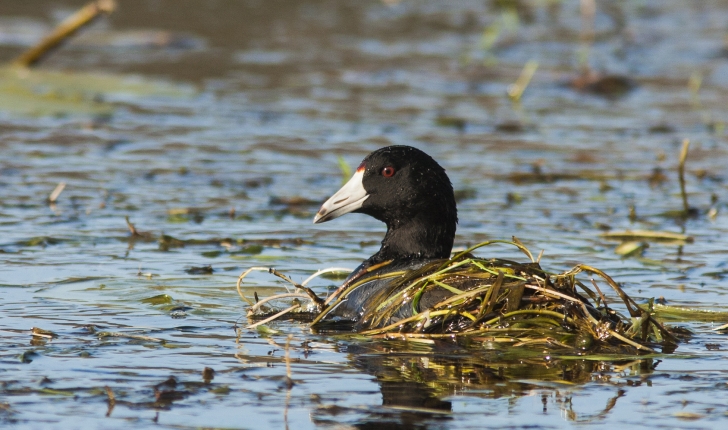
pixel 491 300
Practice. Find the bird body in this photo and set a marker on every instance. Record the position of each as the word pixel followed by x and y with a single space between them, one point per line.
pixel 412 287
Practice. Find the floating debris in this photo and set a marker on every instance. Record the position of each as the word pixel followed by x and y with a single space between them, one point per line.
pixel 160 299
pixel 293 201
pixel 655 236
pixel 185 214
pixel 200 270
pixel 633 247
pixel 208 374
pixel 39 332
pixel 105 334
pixel 451 121
pixel 145 235
pixel 609 86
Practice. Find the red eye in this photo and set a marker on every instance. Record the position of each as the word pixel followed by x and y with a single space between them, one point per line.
pixel 388 172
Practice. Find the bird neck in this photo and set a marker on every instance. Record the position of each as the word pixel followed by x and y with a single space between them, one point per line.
pixel 416 239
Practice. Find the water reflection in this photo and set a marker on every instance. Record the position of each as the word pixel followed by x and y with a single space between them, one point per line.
pixel 418 382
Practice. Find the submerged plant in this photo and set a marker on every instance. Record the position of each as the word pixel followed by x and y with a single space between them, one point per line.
pixel 490 300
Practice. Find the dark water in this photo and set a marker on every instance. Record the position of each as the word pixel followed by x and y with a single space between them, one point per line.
pixel 217 114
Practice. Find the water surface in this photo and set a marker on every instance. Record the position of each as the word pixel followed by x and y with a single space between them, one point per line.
pixel 215 117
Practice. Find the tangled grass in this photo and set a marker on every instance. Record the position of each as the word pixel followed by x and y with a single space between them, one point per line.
pixel 489 299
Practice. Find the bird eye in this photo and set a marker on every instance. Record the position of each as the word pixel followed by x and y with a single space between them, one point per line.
pixel 388 172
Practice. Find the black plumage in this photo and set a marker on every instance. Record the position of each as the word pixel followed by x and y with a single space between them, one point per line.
pixel 411 193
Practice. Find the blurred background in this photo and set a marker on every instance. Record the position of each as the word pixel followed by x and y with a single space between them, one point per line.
pixel 219 127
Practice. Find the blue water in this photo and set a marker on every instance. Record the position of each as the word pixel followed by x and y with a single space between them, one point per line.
pixel 264 99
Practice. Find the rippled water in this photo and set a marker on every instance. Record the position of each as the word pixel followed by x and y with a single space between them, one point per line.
pixel 229 141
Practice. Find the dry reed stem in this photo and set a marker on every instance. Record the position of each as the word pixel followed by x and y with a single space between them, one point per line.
pixel 324 271
pixel 681 175
pixel 64 30
pixel 274 317
pixel 647 235
pixel 515 90
pixel 256 307
pixel 240 280
pixel 56 192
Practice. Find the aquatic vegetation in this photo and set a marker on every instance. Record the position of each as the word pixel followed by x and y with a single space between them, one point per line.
pixel 34 92
pixel 512 303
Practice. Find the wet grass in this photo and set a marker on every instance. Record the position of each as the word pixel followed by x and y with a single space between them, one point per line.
pixel 513 303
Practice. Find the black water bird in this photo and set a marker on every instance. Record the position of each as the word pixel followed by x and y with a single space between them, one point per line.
pixel 412 286
pixel 411 193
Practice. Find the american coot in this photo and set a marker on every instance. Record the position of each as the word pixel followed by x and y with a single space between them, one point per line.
pixel 412 286
pixel 410 192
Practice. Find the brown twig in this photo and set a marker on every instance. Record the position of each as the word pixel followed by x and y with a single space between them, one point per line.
pixel 316 299
pixel 64 30
pixel 131 226
pixel 523 248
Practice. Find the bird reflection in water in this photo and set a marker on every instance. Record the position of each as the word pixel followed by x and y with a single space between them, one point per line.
pixel 418 381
